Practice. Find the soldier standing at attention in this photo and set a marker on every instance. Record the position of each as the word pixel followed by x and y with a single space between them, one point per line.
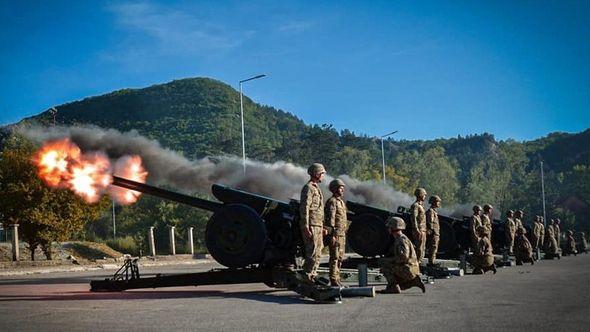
pixel 557 231
pixel 418 222
pixel 583 245
pixel 510 229
pixel 523 250
pixel 536 236
pixel 432 229
pixel 336 222
pixel 483 256
pixel 311 210
pixel 473 224
pixel 541 232
pixel 400 264
pixel 518 219
pixel 486 219
pixel 551 249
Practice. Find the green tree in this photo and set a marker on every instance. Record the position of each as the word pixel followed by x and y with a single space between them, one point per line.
pixel 44 214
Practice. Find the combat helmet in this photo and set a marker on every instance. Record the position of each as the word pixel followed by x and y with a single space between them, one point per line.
pixel 487 207
pixel 419 191
pixel 334 184
pixel 395 223
pixel 510 213
pixel 433 199
pixel 476 208
pixel 315 169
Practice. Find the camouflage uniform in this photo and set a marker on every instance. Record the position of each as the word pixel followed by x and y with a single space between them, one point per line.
pixel 541 234
pixel 570 246
pixel 336 219
pixel 487 223
pixel 551 247
pixel 536 235
pixel 483 256
pixel 583 245
pixel 474 223
pixel 510 229
pixel 432 234
pixel 557 232
pixel 523 250
pixel 400 264
pixel 311 211
pixel 418 222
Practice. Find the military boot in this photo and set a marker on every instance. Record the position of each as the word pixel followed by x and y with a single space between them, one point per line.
pixel 335 282
pixel 391 289
pixel 477 271
pixel 418 283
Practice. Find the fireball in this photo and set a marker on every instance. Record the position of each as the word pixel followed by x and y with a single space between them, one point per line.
pixel 61 164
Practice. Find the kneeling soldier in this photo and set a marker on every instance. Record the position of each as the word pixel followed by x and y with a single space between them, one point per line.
pixel 336 224
pixel 400 264
pixel 523 250
pixel 483 256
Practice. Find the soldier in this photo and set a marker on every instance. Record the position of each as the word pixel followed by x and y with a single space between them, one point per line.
pixel 483 256
pixel 337 225
pixel 542 230
pixel 582 244
pixel 418 222
pixel 570 246
pixel 557 230
pixel 311 221
pixel 486 219
pixel 536 235
pixel 473 224
pixel 432 228
pixel 523 250
pixel 551 249
pixel 510 229
pixel 518 219
pixel 400 264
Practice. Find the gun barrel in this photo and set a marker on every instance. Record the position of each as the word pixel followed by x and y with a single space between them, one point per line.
pixel 166 194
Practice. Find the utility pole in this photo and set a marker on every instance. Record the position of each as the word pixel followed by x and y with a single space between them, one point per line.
pixel 543 194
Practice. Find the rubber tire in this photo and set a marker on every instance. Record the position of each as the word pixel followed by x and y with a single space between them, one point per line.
pixel 368 236
pixel 236 236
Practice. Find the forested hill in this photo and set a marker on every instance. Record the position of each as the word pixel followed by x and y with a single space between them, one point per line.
pixel 200 117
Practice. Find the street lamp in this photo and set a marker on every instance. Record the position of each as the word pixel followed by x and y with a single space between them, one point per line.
pixel 543 193
pixel 383 152
pixel 53 112
pixel 242 117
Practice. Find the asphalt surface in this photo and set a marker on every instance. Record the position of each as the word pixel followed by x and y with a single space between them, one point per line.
pixel 549 296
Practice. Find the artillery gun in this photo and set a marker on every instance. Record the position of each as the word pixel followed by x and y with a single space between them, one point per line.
pixel 256 237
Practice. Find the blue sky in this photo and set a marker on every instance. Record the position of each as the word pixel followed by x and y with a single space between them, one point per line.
pixel 516 69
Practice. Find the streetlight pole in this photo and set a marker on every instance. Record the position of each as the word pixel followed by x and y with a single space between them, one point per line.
pixel 543 193
pixel 383 152
pixel 242 117
pixel 114 224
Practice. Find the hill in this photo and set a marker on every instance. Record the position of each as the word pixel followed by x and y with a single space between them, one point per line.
pixel 200 117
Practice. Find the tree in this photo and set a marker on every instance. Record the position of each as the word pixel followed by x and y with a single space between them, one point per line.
pixel 44 214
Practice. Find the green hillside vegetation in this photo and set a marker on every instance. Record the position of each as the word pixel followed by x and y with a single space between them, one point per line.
pixel 200 117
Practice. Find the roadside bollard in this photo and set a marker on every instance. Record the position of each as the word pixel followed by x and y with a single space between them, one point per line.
pixel 190 241
pixel 15 244
pixel 151 241
pixel 172 242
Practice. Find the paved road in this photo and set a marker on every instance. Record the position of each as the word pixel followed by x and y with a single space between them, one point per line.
pixel 549 296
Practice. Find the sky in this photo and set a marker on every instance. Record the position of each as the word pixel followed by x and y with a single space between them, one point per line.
pixel 429 69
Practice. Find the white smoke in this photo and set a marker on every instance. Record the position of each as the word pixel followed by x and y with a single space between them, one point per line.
pixel 280 180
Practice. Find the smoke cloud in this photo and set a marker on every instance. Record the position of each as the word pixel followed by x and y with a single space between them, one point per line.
pixel 279 180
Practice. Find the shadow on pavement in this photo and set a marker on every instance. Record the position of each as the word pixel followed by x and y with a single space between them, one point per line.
pixel 261 296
